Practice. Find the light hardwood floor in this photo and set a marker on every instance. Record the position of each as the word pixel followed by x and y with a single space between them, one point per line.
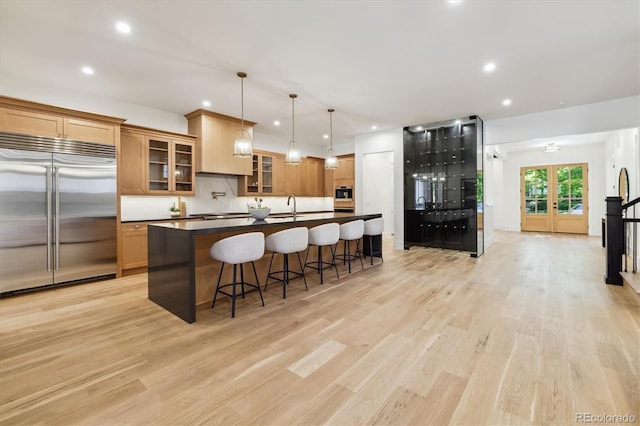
pixel 526 334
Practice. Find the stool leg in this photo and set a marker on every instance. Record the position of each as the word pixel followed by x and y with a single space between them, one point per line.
pixel 257 282
pixel 344 253
pixel 269 272
pixel 348 246
pixel 333 258
pixel 320 266
pixel 285 274
pixel 233 293
pixel 371 248
pixel 242 278
pixel 359 253
pixel 306 258
pixel 302 272
pixel 218 286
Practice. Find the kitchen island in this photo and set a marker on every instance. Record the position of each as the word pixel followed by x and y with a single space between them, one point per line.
pixel 182 275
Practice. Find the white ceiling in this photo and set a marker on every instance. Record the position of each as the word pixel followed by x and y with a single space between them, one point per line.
pixel 388 63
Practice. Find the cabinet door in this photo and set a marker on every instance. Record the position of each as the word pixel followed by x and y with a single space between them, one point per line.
pixel 279 178
pixel 134 245
pixel 89 131
pixel 292 176
pixel 132 163
pixel 183 171
pixel 31 123
pixel 329 187
pixel 158 166
pixel 266 174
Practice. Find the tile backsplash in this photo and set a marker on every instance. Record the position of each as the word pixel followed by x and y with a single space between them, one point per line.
pixel 157 207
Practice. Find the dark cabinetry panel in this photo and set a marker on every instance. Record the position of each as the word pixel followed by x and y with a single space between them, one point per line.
pixel 443 185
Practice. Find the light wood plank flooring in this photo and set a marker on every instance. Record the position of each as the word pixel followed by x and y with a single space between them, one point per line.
pixel 526 334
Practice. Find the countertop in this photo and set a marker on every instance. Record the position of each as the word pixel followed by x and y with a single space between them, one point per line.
pixel 209 216
pixel 304 219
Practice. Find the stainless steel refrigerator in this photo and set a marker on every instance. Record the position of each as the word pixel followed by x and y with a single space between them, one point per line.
pixel 57 212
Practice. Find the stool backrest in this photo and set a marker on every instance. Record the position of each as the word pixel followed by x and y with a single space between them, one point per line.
pixel 374 226
pixel 352 230
pixel 239 248
pixel 288 241
pixel 324 235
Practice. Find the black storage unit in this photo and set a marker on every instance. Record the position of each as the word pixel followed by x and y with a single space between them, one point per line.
pixel 443 205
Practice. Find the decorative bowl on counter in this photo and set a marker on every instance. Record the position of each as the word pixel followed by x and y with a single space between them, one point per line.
pixel 259 213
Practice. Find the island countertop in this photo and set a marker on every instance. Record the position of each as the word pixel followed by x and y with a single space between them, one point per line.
pixel 180 268
pixel 250 224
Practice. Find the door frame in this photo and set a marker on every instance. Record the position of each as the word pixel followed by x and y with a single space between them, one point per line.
pixel 552 221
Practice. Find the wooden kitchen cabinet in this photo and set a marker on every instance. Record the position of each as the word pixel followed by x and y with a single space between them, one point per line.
pixel 134 245
pixel 312 177
pixel 30 118
pixel 215 136
pixel 153 162
pixel 345 170
pixel 292 179
pixel 262 179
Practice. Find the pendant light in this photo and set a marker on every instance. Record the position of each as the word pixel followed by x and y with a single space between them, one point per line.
pixel 242 146
pixel 331 162
pixel 293 154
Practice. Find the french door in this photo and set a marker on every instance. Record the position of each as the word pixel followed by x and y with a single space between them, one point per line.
pixel 554 198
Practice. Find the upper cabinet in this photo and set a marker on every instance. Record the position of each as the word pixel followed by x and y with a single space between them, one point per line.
pixel 154 162
pixel 35 119
pixel 267 176
pixel 312 177
pixel 345 173
pixel 215 135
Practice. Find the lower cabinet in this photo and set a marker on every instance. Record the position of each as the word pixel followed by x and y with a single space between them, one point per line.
pixel 134 245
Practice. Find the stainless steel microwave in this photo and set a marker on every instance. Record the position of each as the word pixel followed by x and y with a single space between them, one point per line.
pixel 344 193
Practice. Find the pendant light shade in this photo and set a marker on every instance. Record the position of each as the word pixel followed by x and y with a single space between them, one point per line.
pixel 293 154
pixel 242 147
pixel 331 162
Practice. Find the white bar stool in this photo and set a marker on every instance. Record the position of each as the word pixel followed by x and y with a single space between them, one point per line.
pixel 286 242
pixel 373 228
pixel 351 231
pixel 320 236
pixel 238 250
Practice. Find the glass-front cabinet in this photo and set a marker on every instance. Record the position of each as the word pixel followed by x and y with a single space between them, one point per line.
pixel 153 162
pixel 261 181
pixel 170 166
pixel 443 202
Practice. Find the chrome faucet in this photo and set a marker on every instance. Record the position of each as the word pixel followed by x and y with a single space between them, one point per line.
pixel 295 211
pixel 418 200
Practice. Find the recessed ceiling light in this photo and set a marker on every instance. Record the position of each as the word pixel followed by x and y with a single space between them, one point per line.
pixel 506 102
pixel 276 123
pixel 206 103
pixel 561 103
pixel 489 67
pixel 123 27
pixel 325 136
pixel 88 70
pixel 455 1
pixel 374 127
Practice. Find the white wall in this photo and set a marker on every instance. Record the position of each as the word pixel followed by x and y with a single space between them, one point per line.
pixel 378 188
pixel 509 201
pixel 384 141
pixel 592 118
pixel 623 150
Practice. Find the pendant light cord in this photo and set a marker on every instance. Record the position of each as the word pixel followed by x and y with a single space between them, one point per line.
pixel 242 103
pixel 293 119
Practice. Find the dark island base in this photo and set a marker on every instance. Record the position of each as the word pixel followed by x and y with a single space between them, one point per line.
pixel 181 273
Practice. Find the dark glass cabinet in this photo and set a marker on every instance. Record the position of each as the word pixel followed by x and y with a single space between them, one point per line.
pixel 443 205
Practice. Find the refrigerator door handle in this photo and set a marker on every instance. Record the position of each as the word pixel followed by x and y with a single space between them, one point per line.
pixel 48 183
pixel 57 217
